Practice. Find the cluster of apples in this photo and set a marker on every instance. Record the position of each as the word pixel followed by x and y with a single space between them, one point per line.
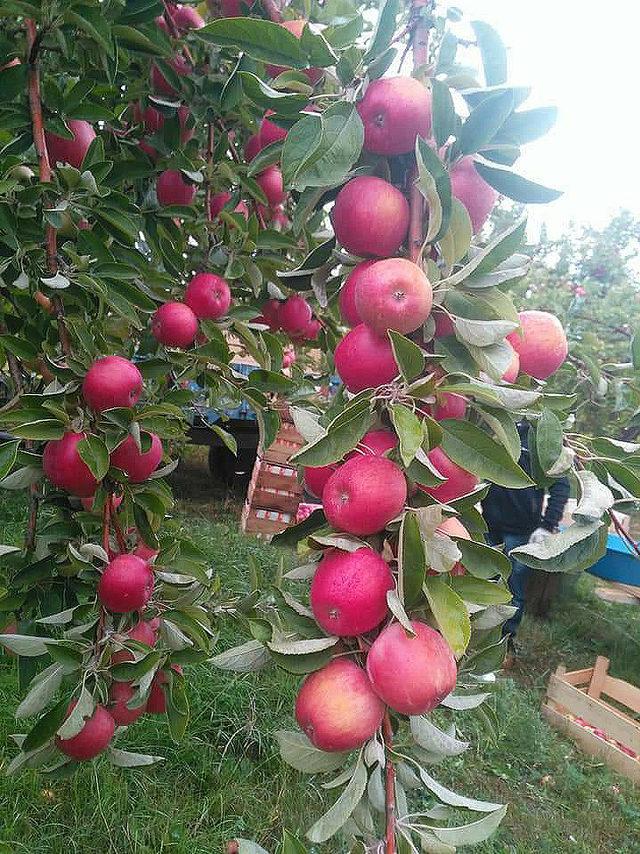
pixel 294 316
pixel 341 705
pixel 176 324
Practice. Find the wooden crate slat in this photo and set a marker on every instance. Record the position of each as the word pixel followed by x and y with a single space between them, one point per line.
pixel 596 712
pixel 577 677
pixel 593 745
pixel 599 675
pixel 623 692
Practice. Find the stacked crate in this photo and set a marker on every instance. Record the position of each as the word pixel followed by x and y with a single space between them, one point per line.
pixel 274 491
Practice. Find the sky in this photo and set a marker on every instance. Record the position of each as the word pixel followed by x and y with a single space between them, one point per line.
pixel 583 58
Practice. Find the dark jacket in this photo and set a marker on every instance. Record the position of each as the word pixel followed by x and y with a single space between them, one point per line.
pixel 519 511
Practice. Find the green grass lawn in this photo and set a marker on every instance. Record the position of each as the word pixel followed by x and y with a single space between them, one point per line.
pixel 226 778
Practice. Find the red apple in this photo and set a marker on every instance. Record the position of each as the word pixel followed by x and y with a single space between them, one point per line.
pixel 271 313
pixel 394 111
pixel 175 325
pixel 450 405
pixel 473 191
pixel 411 674
pixel 138 465
pixel 126 584
pixel 370 217
pixel 270 131
pixel 376 442
pixel 218 202
pixel 458 481
pixel 208 296
pixel 444 324
pixel 157 701
pixel 295 316
pixel 160 84
pixel 540 343
pixel 364 495
pixel 94 737
pixel 119 695
pixel 347 298
pixel 393 294
pixel 252 147
pixel 364 359
pixel 270 181
pixel 511 374
pixel 337 708
pixel 172 189
pixel 187 18
pixel 65 468
pixel 70 151
pixel 153 121
pixel 349 591
pixel 112 382
pixel 313 74
pixel 144 632
pixel 88 503
pixel 316 477
pixel 313 330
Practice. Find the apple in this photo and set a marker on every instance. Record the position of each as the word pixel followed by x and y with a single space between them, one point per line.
pixel 270 131
pixel 175 325
pixel 279 219
pixel 144 551
pixel 444 324
pixel 347 297
pixel 64 467
pixel 450 405
pixel 473 191
pixel 511 374
pixel 161 85
pixel 187 18
pixel 411 674
pixel 349 591
pixel 235 8
pixel 157 701
pixel 364 495
pixel 288 357
pixel 316 477
pixel 453 527
pixel 313 74
pixel 393 294
pixel 126 584
pixel 271 313
pixel 110 382
pixel 336 707
pixel 295 316
pixel 252 147
pixel 541 343
pixel 144 632
pixel 153 121
pixel 376 442
pixel 394 111
pixel 364 359
pixel 208 296
pixel 94 737
pixel 458 481
pixel 71 151
pixel 370 217
pixel 172 189
pixel 119 695
pixel 139 465
pixel 218 202
pixel 270 182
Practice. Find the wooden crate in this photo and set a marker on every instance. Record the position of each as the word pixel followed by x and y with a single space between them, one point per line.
pixel 285 445
pixel 581 694
pixel 275 487
pixel 264 523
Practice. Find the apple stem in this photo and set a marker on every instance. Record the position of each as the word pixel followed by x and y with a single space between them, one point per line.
pixel 390 786
pixel 420 45
pixel 40 145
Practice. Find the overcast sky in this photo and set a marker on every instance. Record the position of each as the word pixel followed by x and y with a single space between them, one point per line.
pixel 582 57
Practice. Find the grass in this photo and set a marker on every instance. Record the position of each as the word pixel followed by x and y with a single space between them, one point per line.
pixel 226 778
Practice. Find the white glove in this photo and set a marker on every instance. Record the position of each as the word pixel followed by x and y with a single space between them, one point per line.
pixel 539 536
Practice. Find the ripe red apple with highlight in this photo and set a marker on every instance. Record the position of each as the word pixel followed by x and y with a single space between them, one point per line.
pixel 157 701
pixel 94 737
pixel 160 84
pixel 450 405
pixel 364 359
pixel 444 324
pixel 393 294
pixel 459 481
pixel 336 707
pixel 511 374
pixel 270 181
pixel 138 465
pixel 347 297
pixel 208 296
pixel 112 381
pixel 394 111
pixel 70 151
pixel 270 131
pixel 349 591
pixel 119 695
pixel 364 495
pixel 172 189
pixel 316 477
pixel 252 147
pixel 64 467
pixel 271 313
pixel 313 74
pixel 540 343
pixel 453 527
pixel 473 191
pixel 411 674
pixel 126 584
pixel 218 202
pixel 175 325
pixel 88 503
pixel 370 217
pixel 187 18
pixel 295 316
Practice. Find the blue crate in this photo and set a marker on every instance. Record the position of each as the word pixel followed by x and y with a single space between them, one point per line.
pixel 619 564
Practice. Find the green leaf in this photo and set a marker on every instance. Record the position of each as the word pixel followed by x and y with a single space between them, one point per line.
pixel 514 186
pixel 412 562
pixel 434 740
pixel 444 119
pixel 481 591
pixel 470 447
pixel 296 750
pixel 247 657
pixel 134 39
pixel 409 429
pixel 484 122
pixel 267 157
pixel 336 817
pixel 270 381
pixel 455 243
pixel 483 561
pixel 577 547
pixel 96 455
pixel 482 333
pixel 8 456
pixel 409 357
pixel 463 835
pixel 46 727
pixel 435 185
pixel 337 442
pixel 42 430
pixel 549 440
pixel 20 347
pixel 295 533
pixel 268 98
pixel 527 125
pixel 25 645
pixel 595 498
pixel 13 80
pixel 93 22
pixel 262 40
pixel 450 613
pixel 501 247
pixel 127 759
pixel 384 31
pixel 451 798
pixel 493 52
pixel 317 49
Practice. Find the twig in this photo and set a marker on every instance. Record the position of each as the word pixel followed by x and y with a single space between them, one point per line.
pixel 617 524
pixel 207 191
pixel 390 786
pixel 420 44
pixel 122 544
